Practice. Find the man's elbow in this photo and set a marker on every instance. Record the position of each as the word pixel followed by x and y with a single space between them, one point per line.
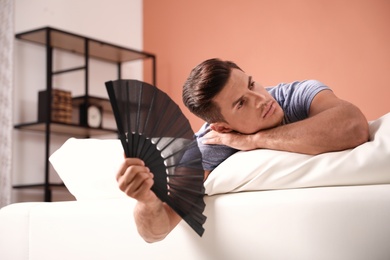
pixel 360 133
pixel 152 238
pixel 354 134
pixel 364 135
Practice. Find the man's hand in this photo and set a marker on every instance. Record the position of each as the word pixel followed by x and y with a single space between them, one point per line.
pixel 232 139
pixel 135 180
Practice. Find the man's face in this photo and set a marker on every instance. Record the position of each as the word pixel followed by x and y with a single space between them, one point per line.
pixel 246 106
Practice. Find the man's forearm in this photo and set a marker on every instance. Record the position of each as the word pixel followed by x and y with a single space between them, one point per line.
pixel 154 220
pixel 335 129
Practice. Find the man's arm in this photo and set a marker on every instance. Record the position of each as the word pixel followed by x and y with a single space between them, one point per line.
pixel 154 219
pixel 333 125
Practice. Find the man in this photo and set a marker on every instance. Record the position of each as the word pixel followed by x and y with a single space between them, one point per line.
pixel 303 117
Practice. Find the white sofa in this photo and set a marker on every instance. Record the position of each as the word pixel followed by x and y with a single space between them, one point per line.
pixel 311 223
pixel 282 206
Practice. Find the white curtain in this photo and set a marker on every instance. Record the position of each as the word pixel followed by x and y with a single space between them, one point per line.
pixel 6 90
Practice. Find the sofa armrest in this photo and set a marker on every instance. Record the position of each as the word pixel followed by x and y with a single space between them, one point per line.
pixel 73 229
pixel 93 229
pixel 14 227
pixel 318 223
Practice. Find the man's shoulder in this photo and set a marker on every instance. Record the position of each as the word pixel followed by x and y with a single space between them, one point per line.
pixel 283 89
pixel 295 98
pixel 204 129
pixel 212 155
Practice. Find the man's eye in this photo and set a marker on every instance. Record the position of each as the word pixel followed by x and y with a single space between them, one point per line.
pixel 252 85
pixel 240 104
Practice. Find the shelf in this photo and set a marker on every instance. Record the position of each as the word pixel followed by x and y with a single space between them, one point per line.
pixel 40 186
pixel 66 129
pixel 52 39
pixel 75 43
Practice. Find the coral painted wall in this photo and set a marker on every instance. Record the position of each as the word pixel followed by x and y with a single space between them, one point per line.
pixel 345 44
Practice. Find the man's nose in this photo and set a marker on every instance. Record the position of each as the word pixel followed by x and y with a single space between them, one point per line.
pixel 258 100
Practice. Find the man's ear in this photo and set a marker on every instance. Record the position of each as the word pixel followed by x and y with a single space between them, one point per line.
pixel 221 127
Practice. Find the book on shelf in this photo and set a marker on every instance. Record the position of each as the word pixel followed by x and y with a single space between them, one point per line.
pixel 61 106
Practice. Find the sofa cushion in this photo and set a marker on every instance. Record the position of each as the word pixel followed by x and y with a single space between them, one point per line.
pixel 264 169
pixel 88 167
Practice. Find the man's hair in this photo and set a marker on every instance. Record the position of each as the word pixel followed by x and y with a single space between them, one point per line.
pixel 204 82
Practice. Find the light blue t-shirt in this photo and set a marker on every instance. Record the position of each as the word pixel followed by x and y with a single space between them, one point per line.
pixel 294 98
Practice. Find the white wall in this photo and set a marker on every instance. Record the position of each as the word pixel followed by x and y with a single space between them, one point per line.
pixel 115 21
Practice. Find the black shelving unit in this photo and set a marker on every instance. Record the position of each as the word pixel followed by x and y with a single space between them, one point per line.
pixel 89 48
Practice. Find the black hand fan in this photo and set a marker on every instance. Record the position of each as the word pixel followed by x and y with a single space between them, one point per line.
pixel 152 127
